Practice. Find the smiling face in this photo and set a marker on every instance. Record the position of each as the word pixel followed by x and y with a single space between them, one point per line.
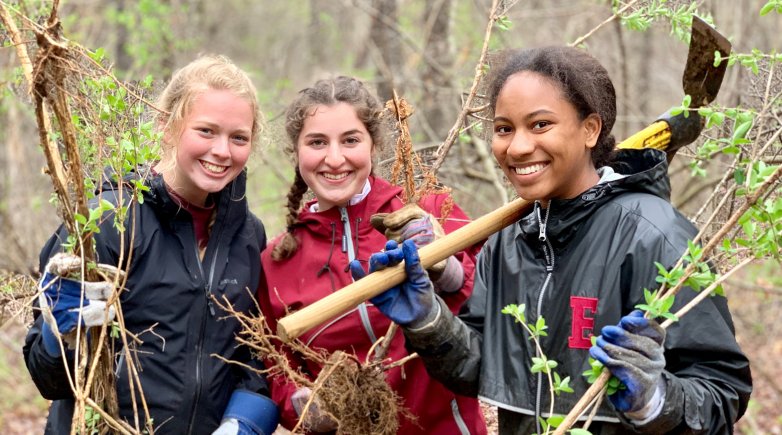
pixel 539 141
pixel 334 153
pixel 213 146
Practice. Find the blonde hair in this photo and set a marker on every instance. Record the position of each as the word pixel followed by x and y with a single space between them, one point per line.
pixel 207 72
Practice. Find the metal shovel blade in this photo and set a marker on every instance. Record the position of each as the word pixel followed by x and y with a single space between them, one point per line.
pixel 701 79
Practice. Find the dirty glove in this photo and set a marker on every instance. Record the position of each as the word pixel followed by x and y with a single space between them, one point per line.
pixel 633 352
pixel 316 420
pixel 413 223
pixel 248 413
pixel 65 302
pixel 411 303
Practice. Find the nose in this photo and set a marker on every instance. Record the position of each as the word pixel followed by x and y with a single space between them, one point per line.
pixel 521 144
pixel 221 147
pixel 334 157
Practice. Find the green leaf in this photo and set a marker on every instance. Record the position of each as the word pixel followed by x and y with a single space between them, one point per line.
pixel 555 420
pixel 97 55
pixel 504 23
pixel 666 304
pixel 765 10
pixel 741 131
pixel 717 58
pixel 579 431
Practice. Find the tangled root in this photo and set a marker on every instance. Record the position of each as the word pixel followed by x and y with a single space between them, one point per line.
pixel 358 396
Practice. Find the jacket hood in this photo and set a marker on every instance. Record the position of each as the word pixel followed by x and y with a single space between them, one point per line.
pixel 158 196
pixel 646 171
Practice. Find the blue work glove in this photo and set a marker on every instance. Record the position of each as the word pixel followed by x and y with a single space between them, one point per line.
pixel 316 420
pixel 411 222
pixel 248 413
pixel 633 352
pixel 411 303
pixel 67 302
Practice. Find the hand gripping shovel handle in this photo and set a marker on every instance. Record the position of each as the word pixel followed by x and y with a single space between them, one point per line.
pixel 295 324
pixel 701 80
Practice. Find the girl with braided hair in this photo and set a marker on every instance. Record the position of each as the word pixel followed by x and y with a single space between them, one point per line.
pixel 334 128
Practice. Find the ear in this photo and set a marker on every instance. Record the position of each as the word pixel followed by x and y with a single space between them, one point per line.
pixel 592 126
pixel 164 127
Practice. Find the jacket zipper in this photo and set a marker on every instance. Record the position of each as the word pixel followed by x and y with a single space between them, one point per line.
pixel 200 343
pixel 548 252
pixel 347 247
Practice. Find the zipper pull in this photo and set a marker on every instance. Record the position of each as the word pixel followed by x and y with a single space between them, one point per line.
pixel 343 214
pixel 209 301
pixel 541 222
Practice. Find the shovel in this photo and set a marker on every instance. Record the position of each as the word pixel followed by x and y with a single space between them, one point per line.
pixel 701 81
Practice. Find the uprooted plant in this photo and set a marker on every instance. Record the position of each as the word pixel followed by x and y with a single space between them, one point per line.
pixel 353 393
pixel 88 122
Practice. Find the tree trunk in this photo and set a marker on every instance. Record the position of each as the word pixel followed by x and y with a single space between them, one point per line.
pixel 389 51
pixel 439 102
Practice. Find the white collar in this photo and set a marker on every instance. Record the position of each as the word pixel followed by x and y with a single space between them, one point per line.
pixel 353 201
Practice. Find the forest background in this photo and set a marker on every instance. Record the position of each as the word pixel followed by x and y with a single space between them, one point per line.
pixel 425 50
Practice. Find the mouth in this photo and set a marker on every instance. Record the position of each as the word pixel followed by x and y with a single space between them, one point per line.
pixel 213 168
pixel 335 177
pixel 530 169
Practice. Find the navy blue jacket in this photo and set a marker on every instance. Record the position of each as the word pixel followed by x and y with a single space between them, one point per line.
pixel 167 305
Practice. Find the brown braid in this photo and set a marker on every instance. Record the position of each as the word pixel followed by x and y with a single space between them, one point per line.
pixel 288 244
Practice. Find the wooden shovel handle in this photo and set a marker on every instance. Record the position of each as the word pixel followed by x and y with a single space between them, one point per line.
pixel 295 324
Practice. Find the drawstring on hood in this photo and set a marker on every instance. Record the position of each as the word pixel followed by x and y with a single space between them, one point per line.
pixel 327 265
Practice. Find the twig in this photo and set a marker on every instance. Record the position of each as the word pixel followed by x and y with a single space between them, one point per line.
pixel 703 294
pixel 400 362
pixel 453 133
pixel 618 13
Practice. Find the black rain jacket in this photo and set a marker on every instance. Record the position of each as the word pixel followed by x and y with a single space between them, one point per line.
pixel 167 304
pixel 585 268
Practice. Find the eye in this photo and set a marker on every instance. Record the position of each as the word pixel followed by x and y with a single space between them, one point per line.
pixel 502 129
pixel 204 130
pixel 316 143
pixel 539 125
pixel 352 140
pixel 241 139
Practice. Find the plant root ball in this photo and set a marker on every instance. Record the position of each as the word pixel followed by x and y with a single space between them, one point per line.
pixel 359 397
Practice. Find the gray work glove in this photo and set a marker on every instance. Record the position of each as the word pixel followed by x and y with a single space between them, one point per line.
pixel 316 420
pixel 633 352
pixel 411 222
pixel 65 303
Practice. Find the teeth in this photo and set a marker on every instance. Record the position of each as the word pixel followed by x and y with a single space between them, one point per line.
pixel 214 168
pixel 335 176
pixel 530 169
